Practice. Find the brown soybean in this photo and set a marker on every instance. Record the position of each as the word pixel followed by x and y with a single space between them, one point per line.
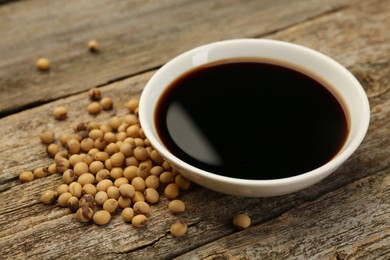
pixel 84 214
pixel 73 204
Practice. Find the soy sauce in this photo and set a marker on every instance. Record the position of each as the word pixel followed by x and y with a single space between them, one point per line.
pixel 251 119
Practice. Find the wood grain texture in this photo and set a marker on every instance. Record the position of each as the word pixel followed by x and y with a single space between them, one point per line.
pixel 345 216
pixel 134 36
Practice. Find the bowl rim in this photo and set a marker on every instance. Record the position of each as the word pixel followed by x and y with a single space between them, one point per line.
pixel 315 173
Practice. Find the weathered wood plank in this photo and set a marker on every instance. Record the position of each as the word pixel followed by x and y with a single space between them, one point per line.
pixel 135 36
pixel 338 225
pixel 330 219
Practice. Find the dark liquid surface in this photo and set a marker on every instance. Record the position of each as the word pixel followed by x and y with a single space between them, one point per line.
pixel 251 120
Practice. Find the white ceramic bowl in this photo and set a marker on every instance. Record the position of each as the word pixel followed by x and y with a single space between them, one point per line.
pixel 342 81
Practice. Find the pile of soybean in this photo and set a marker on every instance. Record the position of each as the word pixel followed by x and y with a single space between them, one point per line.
pixel 109 168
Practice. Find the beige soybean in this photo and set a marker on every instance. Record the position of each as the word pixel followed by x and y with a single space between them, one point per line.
pixel 68 176
pixel 40 172
pixel 117 159
pixel 126 149
pixel 101 217
pixel 140 153
pixel 26 176
pixel 52 169
pixel 84 214
pixel 138 183
pixel 48 197
pixel 144 168
pixel 94 108
pixel 111 205
pixel 131 119
pixel 124 202
pixel 138 196
pixel 106 103
pixel 133 131
pixel 80 168
pixel 166 166
pixel 102 174
pixel 130 172
pixel 139 221
pixel 64 138
pixel 178 229
pixel 89 189
pixel 115 122
pixel 104 184
pixel 95 134
pixel 101 156
pixel 62 189
pixel 76 189
pixel 100 143
pixel 52 149
pixel 156 157
pixel 182 182
pixel 74 158
pixel 93 47
pixel 121 136
pixel 101 197
pixel 152 181
pixel 171 191
pixel 60 113
pixel 93 125
pixel 47 137
pixel 241 221
pixel 141 207
pixel 87 158
pixel 132 105
pixel 176 206
pixel 156 170
pixel 87 144
pixel 151 195
pixel 73 146
pixel 131 161
pixel 110 137
pixel 95 167
pixel 127 190
pixel 116 173
pixel 127 214
pixel 113 192
pixel 139 142
pixel 111 148
pixel 120 181
pixel 167 177
pixel 86 178
pixel 42 64
pixel 63 199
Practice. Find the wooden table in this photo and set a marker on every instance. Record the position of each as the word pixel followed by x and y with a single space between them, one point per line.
pixel 345 216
